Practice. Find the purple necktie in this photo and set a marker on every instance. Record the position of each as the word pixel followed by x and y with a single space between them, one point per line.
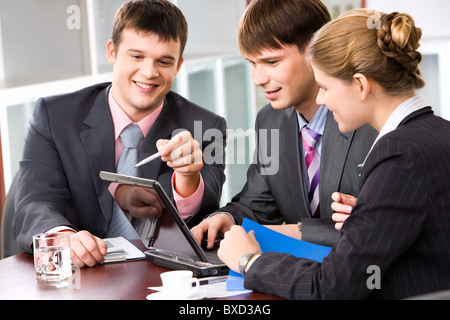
pixel 312 160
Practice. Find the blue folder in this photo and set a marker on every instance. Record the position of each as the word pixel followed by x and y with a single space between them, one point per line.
pixel 270 240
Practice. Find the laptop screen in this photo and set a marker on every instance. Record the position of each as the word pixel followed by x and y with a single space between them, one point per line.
pixel 171 233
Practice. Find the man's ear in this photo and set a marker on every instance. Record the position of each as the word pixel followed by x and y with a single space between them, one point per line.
pixel 111 52
pixel 363 85
pixel 180 63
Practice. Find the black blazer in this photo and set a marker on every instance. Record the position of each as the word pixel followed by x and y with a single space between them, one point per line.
pixel 275 193
pixel 400 225
pixel 71 139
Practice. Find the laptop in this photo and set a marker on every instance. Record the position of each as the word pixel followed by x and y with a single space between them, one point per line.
pixel 169 241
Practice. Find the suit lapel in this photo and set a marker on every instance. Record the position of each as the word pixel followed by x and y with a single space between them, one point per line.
pixel 293 166
pixel 335 148
pixel 97 137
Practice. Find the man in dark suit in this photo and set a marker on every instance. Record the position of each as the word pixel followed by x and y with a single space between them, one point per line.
pixel 73 137
pixel 272 197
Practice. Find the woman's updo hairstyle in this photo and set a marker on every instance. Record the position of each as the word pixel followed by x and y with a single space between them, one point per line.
pixel 383 47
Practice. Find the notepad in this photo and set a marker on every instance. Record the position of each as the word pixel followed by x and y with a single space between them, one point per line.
pixel 270 240
pixel 121 250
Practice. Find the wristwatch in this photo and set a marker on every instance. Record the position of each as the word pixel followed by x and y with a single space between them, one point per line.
pixel 300 225
pixel 243 262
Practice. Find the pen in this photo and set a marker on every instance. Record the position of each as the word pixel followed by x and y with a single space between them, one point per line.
pixel 115 259
pixel 213 280
pixel 146 160
pixel 151 231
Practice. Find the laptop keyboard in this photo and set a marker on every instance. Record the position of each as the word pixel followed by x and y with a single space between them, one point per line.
pixel 212 257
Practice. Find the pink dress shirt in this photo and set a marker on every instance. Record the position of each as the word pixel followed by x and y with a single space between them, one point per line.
pixel 186 206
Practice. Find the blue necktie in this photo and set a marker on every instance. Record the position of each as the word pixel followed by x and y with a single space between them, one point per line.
pixel 131 137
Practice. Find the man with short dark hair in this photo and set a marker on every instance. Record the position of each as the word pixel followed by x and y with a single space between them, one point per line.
pixel 73 137
pixel 296 200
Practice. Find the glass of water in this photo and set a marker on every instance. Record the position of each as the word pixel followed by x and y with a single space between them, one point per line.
pixel 52 256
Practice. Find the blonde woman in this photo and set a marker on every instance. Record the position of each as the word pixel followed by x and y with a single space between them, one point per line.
pixel 395 244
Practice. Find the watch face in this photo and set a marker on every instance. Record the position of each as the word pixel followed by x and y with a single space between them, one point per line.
pixel 243 261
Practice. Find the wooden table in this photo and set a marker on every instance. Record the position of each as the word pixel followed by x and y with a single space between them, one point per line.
pixel 117 281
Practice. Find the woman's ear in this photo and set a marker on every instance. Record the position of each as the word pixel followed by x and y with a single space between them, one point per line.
pixel 363 85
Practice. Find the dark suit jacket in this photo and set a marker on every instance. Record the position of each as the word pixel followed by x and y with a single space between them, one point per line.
pixel 273 196
pixel 71 139
pixel 400 225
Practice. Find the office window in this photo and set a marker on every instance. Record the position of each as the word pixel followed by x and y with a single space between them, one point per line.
pixel 223 84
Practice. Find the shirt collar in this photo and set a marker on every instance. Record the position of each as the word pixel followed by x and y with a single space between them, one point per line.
pixel 317 123
pixel 406 108
pixel 121 119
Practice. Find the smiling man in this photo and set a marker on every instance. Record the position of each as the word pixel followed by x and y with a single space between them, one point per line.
pixel 145 67
pixel 73 137
pixel 273 36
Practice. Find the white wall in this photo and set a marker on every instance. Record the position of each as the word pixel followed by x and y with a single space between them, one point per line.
pixel 212 25
pixel 39 52
pixel 431 15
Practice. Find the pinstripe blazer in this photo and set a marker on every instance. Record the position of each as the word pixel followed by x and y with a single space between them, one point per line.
pixel 398 233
